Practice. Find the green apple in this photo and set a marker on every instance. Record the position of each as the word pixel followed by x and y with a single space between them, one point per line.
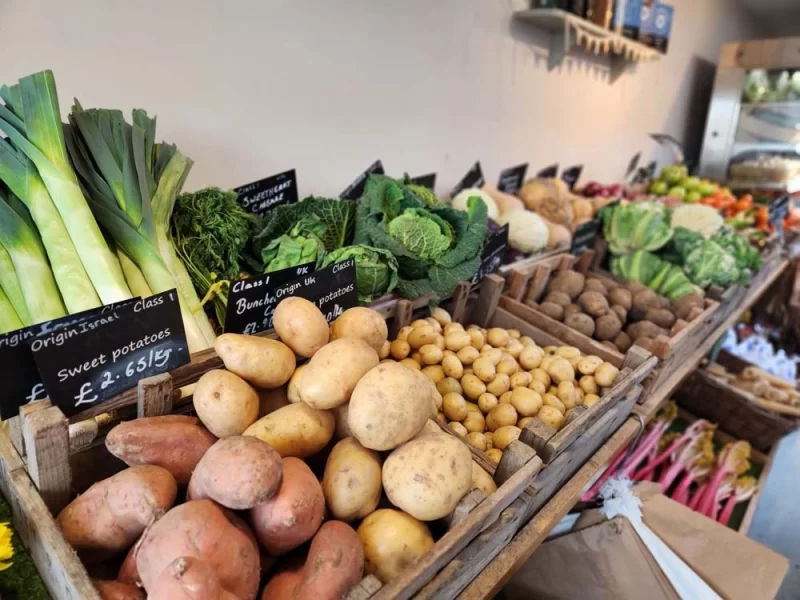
pixel 693 197
pixel 672 174
pixel 659 188
pixel 691 183
pixel 707 189
pixel 677 192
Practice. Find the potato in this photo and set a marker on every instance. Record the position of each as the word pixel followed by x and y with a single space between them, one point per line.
pixel 498 337
pixel 127 570
pixel 524 421
pixel 449 385
pixel 435 324
pixel 474 421
pixel 552 310
pixel 559 298
pixel 292 389
pixel 507 365
pixel 428 476
pixel 294 514
pixel 476 440
pixel 500 416
pixel 361 323
pixel 473 386
pixel 560 370
pixel 494 455
pixel 434 372
pixel 225 403
pixel 452 367
pixel 218 476
pixel 332 373
pixel 411 364
pixel 487 401
pixel 477 338
pixel 538 387
pixel 109 517
pixel 531 357
pixel 468 355
pixel 622 297
pixel 117 590
pixel 457 428
pixel 482 480
pixel 493 354
pixel 593 303
pixel 430 354
pixel 505 397
pixel 526 402
pixel 389 406
pixel 402 334
pixel 392 540
pixel 579 393
pixel 606 374
pixel 520 379
pixel 301 325
pixel 499 385
pixel 541 375
pixel 283 584
pixel 260 361
pixel 457 340
pixel 185 578
pixel 454 406
pixel 566 393
pixel 505 435
pixel 588 364
pixel 588 384
pixel 399 349
pixel 484 369
pixel 568 352
pixel 335 563
pixel 174 442
pixel 341 428
pixel 295 430
pixel 554 402
pixel 552 416
pixel 590 399
pixel 441 315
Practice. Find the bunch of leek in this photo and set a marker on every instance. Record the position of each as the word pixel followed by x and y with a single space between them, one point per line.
pixel 131 184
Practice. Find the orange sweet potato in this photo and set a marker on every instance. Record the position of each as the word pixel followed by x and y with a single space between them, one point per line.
pixel 201 529
pixel 127 570
pixel 283 585
pixel 294 514
pixel 335 563
pixel 175 442
pixel 109 517
pixel 116 590
pixel 238 472
pixel 188 578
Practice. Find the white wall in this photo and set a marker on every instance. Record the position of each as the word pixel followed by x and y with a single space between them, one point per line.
pixel 248 88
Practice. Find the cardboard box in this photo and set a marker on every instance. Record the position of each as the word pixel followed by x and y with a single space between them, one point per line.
pixel 656 26
pixel 628 17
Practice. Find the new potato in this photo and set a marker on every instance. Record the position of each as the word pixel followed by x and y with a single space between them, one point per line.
pixel 362 323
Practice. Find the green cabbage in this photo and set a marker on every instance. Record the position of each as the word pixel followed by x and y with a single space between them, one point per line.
pixel 376 270
pixel 747 258
pixel 638 266
pixel 708 263
pixel 436 247
pixel 302 245
pixel 633 226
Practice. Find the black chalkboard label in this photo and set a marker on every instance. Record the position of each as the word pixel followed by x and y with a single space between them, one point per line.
pixel 494 253
pixel 428 181
pixel 511 179
pixel 584 236
pixel 265 195
pixel 16 357
pixel 252 301
pixel 572 175
pixel 89 362
pixel 778 210
pixel 332 289
pixel 634 162
pixel 473 178
pixel 550 171
pixel 355 190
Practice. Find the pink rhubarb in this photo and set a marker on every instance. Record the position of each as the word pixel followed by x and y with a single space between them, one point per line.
pixel 734 460
pixel 687 437
pixel 743 490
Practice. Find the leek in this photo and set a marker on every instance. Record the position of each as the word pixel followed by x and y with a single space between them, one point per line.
pixel 19 237
pixel 43 144
pixel 123 170
pixel 21 177
pixel 9 320
pixel 11 287
pixel 133 275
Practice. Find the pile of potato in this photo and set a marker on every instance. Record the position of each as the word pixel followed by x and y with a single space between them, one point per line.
pixel 618 315
pixel 494 381
pixel 291 482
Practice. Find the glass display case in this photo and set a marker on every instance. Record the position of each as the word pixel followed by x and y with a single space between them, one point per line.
pixel 752 137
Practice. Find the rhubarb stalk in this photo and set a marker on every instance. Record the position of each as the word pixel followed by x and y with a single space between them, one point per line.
pixel 696 473
pixel 687 437
pixel 697 452
pixel 733 460
pixel 744 489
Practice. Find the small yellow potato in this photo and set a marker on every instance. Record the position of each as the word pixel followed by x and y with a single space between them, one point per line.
pixel 434 372
pixel 458 428
pixel 521 379
pixel 452 367
pixel 482 480
pixel 526 402
pixel 403 333
pixel 505 397
pixel 508 365
pixel 399 349
pixel 477 338
pixel 527 341
pixel 441 416
pixel 514 333
pixel 566 393
pixel 454 406
pixel 430 354
pixel 515 348
pixel 452 328
pixel 411 363
pixel 473 386
pixel 457 340
pixel 590 399
pixel 439 343
pixel 416 357
pixel 580 394
pixel 499 385
pixel 588 364
pixel 385 350
pixel 419 323
pixel 560 370
pixel 553 401
pixel 524 421
pixel 449 385
pixel 484 369
pixel 552 417
pixel 541 375
pixel 441 315
pixel 498 337
pixel 419 336
pixel 437 327
pixel 477 440
pixel 531 357
pixel 474 421
pixel 487 401
pixel 588 384
pixel 494 455
pixel 493 354
pixel 488 436
pixel 500 416
pixel 606 374
pixel 468 355
pixel 538 386
pixel 504 436
pixel 568 352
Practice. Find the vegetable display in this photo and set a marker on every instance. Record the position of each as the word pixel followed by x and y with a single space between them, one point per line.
pixel 376 269
pixel 436 248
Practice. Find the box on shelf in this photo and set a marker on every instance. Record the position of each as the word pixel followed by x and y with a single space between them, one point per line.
pixel 628 18
pixel 656 26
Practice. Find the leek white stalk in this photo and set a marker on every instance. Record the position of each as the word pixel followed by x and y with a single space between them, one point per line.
pixel 133 275
pixel 10 284
pixel 44 145
pixel 9 321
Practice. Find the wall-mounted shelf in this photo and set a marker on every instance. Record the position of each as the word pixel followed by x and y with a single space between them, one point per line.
pixel 568 31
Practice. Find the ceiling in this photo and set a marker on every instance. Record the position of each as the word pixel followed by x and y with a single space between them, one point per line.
pixel 780 17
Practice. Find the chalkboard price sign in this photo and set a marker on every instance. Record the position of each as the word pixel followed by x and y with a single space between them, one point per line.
pixel 511 179
pixel 572 175
pixel 550 171
pixel 494 252
pixel 265 195
pixel 332 289
pixel 428 181
pixel 86 363
pixel 584 236
pixel 473 178
pixel 16 357
pixel 252 302
pixel 634 162
pixel 355 190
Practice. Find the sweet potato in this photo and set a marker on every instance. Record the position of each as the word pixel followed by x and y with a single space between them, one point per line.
pixel 293 515
pixel 127 571
pixel 109 517
pixel 116 590
pixel 188 578
pixel 201 529
pixel 283 585
pixel 238 472
pixel 335 563
pixel 175 442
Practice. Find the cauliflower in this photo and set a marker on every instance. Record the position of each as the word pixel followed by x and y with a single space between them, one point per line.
pixel 460 201
pixel 527 231
pixel 698 217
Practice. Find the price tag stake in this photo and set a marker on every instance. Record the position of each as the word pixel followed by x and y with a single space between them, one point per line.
pixel 265 195
pixel 355 190
pixel 493 255
pixel 473 178
pixel 511 179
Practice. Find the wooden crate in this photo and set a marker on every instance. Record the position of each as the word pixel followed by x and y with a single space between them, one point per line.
pixel 64 458
pixel 531 283
pixel 736 411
